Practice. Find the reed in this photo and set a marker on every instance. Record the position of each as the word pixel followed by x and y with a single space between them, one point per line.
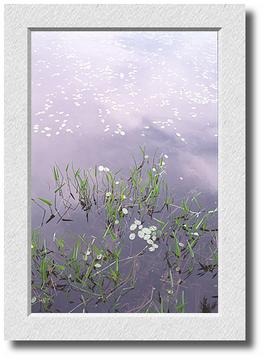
pixel 131 211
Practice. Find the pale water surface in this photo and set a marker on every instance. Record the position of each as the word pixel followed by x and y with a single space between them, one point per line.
pixel 97 96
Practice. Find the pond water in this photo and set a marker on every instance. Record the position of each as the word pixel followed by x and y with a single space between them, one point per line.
pixel 96 98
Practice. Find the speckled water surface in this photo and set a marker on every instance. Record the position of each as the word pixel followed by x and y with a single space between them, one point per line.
pixel 97 97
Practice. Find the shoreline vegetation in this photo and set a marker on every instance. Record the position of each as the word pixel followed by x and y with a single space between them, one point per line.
pixel 138 220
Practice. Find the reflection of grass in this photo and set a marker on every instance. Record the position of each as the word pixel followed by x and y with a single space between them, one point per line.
pixel 101 188
pixel 97 269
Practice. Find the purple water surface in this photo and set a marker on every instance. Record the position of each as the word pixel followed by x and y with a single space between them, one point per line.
pixel 99 95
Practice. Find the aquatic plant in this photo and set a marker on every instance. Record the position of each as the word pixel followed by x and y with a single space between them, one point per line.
pixel 134 212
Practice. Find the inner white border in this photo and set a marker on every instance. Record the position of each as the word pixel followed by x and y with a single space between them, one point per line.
pixel 229 323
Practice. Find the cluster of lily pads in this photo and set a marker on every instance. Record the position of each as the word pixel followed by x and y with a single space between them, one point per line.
pixel 102 168
pixel 149 234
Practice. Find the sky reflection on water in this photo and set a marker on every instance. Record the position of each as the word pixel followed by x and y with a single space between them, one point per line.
pixel 98 96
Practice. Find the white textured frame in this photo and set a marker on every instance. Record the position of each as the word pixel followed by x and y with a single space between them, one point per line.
pixel 229 323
